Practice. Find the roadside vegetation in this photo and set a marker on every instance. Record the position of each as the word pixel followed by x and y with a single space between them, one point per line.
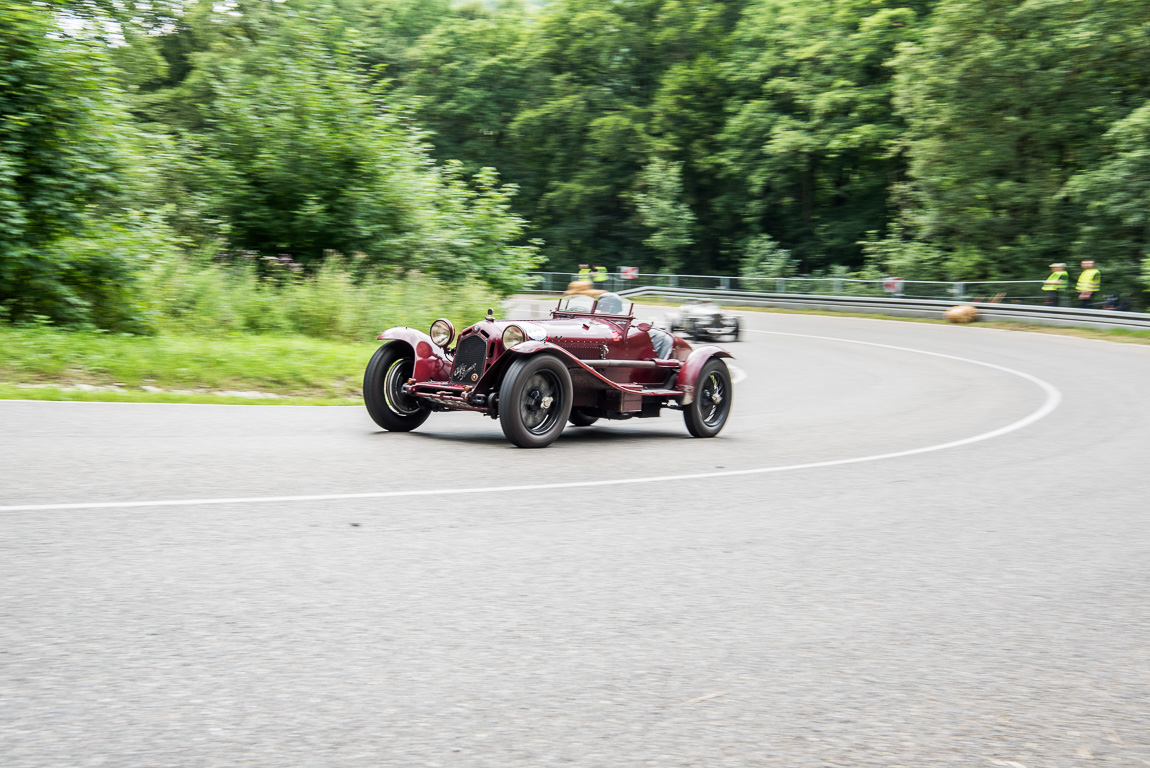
pixel 118 364
pixel 222 329
pixel 190 170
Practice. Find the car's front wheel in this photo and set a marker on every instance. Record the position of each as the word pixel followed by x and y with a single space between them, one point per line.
pixel 708 412
pixel 389 406
pixel 535 401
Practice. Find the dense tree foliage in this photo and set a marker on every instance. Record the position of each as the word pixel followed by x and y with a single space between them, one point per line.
pixel 1005 102
pixel 935 139
pixel 72 229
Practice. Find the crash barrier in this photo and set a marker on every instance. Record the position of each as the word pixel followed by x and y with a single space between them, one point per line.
pixel 1018 291
pixel 1001 300
pixel 1059 316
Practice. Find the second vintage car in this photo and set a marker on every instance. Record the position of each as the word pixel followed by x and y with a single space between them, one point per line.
pixel 703 320
pixel 591 360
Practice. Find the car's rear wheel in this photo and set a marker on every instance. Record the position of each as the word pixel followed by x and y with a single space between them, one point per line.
pixel 708 412
pixel 735 335
pixel 581 418
pixel 389 406
pixel 535 401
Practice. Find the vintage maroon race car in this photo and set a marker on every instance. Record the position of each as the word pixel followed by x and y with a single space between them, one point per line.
pixel 591 360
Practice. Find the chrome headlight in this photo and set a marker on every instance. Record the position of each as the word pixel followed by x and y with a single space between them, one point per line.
pixel 442 332
pixel 513 336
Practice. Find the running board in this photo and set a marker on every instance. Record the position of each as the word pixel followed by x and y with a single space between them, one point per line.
pixel 669 364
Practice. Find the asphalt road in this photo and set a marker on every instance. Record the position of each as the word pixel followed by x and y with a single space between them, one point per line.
pixel 913 545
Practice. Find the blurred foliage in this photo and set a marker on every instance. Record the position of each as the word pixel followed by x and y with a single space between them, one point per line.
pixel 1005 103
pixel 811 128
pixel 661 210
pixel 764 258
pixel 265 363
pixel 338 300
pixel 931 139
pixel 73 234
pixel 251 128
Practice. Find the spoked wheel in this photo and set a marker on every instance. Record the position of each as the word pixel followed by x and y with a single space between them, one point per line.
pixel 535 401
pixel 707 413
pixel 390 407
pixel 582 418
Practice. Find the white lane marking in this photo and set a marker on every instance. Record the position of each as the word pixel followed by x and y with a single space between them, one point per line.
pixel 1053 399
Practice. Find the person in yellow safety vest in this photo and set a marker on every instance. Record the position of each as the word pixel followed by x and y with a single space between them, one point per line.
pixel 1054 287
pixel 584 273
pixel 600 273
pixel 1089 283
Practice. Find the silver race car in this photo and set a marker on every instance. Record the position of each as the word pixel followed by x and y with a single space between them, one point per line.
pixel 702 320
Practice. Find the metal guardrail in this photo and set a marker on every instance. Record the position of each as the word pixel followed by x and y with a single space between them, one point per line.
pixel 1024 291
pixel 866 297
pixel 933 308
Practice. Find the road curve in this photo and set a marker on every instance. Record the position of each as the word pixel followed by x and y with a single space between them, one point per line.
pixel 913 544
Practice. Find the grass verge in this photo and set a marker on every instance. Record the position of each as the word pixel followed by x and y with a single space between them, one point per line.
pixel 47 363
pixel 57 394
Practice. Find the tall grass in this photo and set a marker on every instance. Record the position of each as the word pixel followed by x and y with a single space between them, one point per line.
pixel 204 298
pixel 290 365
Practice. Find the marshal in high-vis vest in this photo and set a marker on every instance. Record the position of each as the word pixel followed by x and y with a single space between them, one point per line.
pixel 1054 287
pixel 1089 283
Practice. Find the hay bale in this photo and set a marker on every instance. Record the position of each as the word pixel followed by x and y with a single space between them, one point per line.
pixel 961 313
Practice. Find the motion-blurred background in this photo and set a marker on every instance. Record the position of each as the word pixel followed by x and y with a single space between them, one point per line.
pixel 262 166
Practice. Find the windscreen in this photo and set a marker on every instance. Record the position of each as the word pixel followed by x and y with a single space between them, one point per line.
pixel 576 303
pixel 613 304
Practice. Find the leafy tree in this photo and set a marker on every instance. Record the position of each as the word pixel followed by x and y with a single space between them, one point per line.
pixel 307 158
pixel 1116 196
pixel 900 255
pixel 662 211
pixel 617 91
pixel 466 85
pixel 1005 102
pixel 808 142
pixel 289 148
pixel 583 131
pixel 70 239
pixel 763 257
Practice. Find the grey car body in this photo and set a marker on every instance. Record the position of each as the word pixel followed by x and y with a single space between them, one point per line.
pixel 702 319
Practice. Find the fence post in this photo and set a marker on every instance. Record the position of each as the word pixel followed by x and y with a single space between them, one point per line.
pixel 725 283
pixel 673 280
pixel 838 286
pixel 781 285
pixel 960 291
pixel 547 281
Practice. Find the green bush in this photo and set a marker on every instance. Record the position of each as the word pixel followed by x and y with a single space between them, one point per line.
pixel 338 301
pixel 70 241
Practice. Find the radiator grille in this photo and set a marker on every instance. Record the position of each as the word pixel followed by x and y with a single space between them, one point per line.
pixel 469 359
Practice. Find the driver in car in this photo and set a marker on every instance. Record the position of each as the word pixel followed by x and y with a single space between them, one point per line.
pixel 663 342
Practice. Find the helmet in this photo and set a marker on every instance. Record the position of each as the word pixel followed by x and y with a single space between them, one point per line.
pixel 610 304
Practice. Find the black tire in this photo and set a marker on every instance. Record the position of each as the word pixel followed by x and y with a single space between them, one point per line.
pixel 707 413
pixel 390 367
pixel 735 335
pixel 535 401
pixel 582 418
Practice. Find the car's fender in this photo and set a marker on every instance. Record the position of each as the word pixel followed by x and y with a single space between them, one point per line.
pixel 689 373
pixel 431 361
